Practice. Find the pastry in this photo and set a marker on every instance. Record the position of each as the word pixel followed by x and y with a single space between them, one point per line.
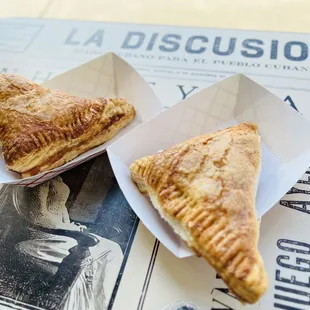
pixel 205 189
pixel 41 129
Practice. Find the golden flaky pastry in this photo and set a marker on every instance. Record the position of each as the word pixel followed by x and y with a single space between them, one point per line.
pixel 205 189
pixel 41 129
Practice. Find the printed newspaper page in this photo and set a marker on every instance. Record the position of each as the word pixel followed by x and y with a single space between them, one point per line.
pixel 106 259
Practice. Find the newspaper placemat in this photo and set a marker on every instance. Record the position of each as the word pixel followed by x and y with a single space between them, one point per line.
pixel 177 62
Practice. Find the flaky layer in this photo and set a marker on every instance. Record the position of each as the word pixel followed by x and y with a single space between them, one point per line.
pixel 205 189
pixel 41 129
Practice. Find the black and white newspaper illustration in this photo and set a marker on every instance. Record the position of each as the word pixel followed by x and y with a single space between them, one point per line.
pixel 63 243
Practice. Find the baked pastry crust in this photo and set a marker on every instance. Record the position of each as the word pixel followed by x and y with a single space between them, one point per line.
pixel 41 129
pixel 205 189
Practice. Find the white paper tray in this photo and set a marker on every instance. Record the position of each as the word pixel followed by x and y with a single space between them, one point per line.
pixel 106 76
pixel 285 144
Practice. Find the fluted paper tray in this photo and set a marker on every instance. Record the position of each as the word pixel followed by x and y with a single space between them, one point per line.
pixel 106 76
pixel 284 141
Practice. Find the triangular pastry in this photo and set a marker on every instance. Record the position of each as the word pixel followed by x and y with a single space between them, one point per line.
pixel 41 129
pixel 205 189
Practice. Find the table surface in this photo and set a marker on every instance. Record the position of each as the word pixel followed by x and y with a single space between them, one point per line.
pixel 276 15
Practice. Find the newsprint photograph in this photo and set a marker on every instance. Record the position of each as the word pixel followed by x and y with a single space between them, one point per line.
pixel 65 242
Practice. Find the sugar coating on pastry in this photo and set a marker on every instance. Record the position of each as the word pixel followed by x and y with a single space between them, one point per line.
pixel 41 129
pixel 205 189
